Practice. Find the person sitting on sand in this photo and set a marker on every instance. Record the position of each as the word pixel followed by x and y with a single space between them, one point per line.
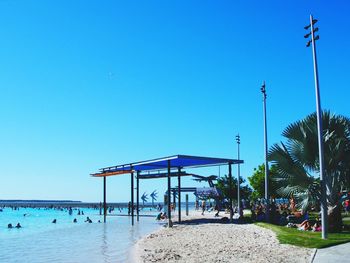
pixel 54 221
pixel 18 225
pixel 75 220
pixel 164 216
pixel 159 216
pixel 9 226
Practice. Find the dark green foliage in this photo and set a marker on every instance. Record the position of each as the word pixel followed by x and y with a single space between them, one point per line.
pixel 257 182
pixel 223 185
pixel 297 162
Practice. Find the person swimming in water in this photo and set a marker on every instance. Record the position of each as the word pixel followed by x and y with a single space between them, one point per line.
pixel 18 225
pixel 10 226
pixel 88 220
pixel 75 220
pixel 54 221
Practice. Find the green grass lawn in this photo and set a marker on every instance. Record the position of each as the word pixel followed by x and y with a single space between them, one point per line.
pixel 306 238
pixel 346 219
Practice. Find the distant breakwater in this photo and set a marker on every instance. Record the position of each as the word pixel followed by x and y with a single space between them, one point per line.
pixel 62 204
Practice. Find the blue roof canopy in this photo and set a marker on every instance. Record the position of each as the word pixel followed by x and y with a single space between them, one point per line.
pixel 175 161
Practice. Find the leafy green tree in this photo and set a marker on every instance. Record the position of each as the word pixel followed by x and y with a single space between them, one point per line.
pixel 257 182
pixel 297 163
pixel 224 186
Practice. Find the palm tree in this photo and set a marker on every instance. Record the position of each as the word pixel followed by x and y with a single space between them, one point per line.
pixel 297 163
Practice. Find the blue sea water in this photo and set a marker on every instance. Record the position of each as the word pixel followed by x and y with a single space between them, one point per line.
pixel 39 240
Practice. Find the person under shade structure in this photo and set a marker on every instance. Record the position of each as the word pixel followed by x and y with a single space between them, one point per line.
pixel 159 216
pixel 18 225
pixel 54 221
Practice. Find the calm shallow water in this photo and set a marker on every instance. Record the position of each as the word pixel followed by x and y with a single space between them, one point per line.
pixel 41 241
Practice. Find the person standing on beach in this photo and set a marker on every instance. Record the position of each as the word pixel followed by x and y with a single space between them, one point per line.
pixel 129 208
pixel 203 207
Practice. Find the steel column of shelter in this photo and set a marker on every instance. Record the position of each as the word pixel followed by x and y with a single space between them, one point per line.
pixel 230 190
pixel 169 197
pixel 174 200
pixel 179 193
pixel 104 200
pixel 132 198
pixel 137 194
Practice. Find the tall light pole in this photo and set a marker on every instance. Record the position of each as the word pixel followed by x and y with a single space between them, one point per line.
pixel 238 140
pixel 267 198
pixel 324 218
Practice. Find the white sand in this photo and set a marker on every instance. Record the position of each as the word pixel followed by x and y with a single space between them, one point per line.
pixel 216 242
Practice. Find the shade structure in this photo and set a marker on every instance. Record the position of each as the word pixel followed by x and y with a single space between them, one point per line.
pixel 176 161
pixel 166 167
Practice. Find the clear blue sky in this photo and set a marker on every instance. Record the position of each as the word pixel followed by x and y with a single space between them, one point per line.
pixel 89 84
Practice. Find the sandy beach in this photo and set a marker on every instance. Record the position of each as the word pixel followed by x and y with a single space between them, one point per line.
pixel 204 239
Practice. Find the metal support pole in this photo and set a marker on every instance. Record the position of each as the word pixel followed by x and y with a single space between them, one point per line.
pixel 179 193
pixel 132 198
pixel 230 190
pixel 324 217
pixel 174 199
pixel 137 195
pixel 267 196
pixel 186 204
pixel 238 177
pixel 104 200
pixel 169 197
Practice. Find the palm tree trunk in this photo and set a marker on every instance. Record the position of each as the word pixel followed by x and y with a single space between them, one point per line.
pixel 334 218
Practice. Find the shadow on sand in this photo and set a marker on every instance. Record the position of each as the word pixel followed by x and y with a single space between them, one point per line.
pixel 218 220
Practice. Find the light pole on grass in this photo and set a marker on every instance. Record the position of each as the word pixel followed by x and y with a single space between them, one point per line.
pixel 267 198
pixel 312 42
pixel 238 140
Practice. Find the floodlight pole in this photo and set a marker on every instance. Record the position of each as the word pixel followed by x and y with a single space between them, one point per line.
pixel 267 197
pixel 238 140
pixel 324 217
pixel 230 191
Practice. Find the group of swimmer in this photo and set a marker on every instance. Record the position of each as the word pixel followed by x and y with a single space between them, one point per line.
pixel 11 226
pixel 88 220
